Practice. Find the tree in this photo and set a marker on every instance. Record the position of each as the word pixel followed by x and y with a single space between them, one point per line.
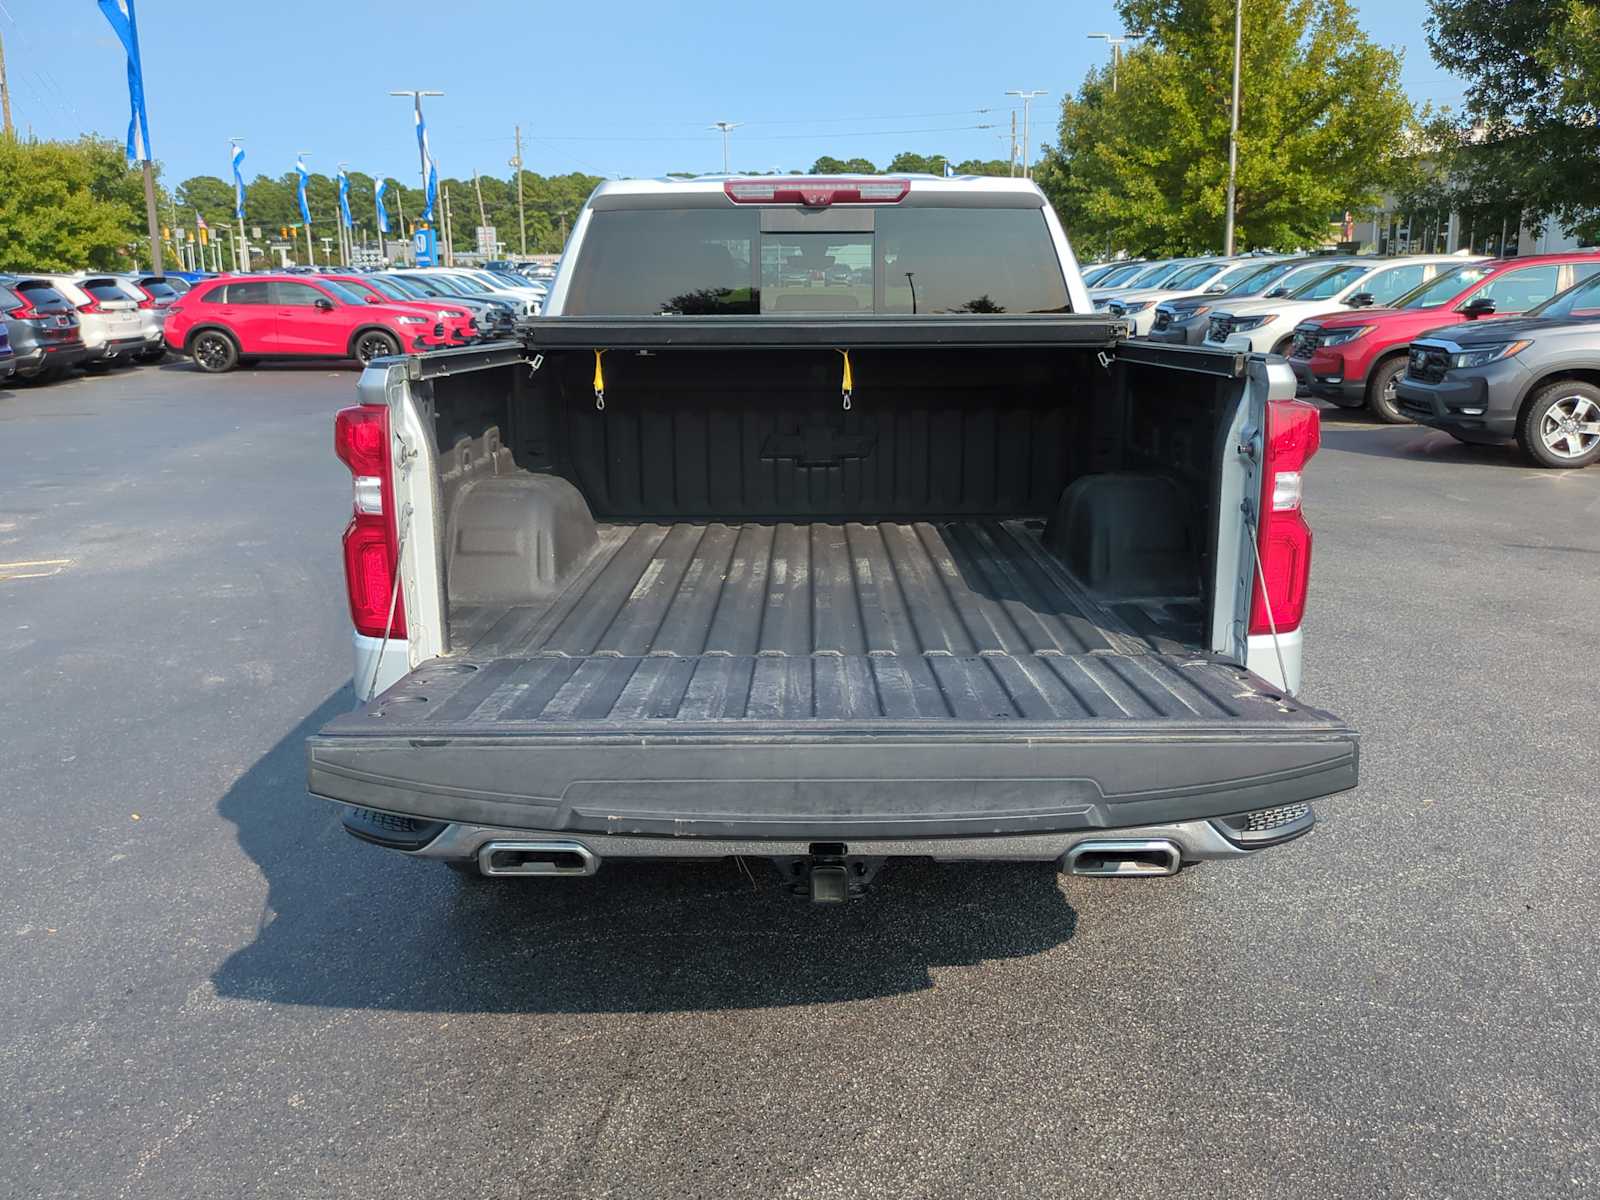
pixel 980 166
pixel 1531 128
pixel 1146 170
pixel 908 162
pixel 66 206
pixel 827 165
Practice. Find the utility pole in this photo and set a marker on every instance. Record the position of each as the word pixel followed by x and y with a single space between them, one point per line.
pixel 1027 151
pixel 449 231
pixel 1233 132
pixel 727 127
pixel 477 186
pixel 1013 143
pixel 522 215
pixel 5 93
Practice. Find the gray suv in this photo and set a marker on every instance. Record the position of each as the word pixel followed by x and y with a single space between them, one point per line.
pixel 1524 378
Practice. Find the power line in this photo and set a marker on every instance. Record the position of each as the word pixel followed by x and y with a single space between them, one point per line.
pixel 771 137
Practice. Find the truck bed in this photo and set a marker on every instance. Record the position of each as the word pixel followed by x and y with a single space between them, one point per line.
pixel 969 619
pixel 895 679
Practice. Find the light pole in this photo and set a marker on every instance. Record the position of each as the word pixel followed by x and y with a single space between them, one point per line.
pixel 1233 132
pixel 727 127
pixel 1027 150
pixel 422 154
pixel 1116 44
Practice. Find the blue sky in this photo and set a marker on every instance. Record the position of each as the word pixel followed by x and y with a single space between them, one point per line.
pixel 610 87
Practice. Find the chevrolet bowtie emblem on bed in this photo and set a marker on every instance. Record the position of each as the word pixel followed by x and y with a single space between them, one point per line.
pixel 818 446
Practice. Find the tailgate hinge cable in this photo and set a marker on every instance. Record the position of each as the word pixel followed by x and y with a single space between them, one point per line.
pixel 1266 600
pixel 1106 359
pixel 394 600
pixel 849 383
pixel 599 383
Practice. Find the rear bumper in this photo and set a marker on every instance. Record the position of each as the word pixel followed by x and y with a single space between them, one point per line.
pixel 1198 841
pixel 49 355
pixel 115 348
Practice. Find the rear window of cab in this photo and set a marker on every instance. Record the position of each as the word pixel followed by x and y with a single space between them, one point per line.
pixel 912 260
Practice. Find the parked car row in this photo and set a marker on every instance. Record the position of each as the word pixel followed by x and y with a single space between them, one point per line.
pixel 235 320
pixel 52 322
pixel 1488 350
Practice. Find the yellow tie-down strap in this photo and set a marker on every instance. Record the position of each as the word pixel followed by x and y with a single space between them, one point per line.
pixel 849 383
pixel 599 382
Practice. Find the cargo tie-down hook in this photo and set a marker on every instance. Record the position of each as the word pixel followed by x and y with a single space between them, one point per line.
pixel 849 381
pixel 599 383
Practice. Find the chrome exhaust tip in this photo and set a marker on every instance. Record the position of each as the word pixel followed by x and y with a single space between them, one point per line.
pixel 536 858
pixel 1155 856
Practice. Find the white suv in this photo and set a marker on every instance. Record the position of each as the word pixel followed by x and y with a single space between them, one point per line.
pixel 1267 326
pixel 113 328
pixel 1138 307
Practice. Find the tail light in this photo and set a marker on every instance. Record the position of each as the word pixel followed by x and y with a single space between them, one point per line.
pixel 93 306
pixel 371 545
pixel 1294 431
pixel 817 193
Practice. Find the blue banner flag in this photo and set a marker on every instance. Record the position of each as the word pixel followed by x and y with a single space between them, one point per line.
pixel 238 182
pixel 126 26
pixel 344 199
pixel 305 209
pixel 432 193
pixel 378 188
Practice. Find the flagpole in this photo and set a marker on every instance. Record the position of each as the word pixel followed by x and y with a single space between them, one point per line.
pixel 377 222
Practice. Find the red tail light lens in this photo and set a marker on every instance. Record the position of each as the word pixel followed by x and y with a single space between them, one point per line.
pixel 371 545
pixel 92 306
pixel 816 193
pixel 1294 432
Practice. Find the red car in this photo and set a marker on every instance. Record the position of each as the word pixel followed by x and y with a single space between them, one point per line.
pixel 223 322
pixel 460 326
pixel 1353 358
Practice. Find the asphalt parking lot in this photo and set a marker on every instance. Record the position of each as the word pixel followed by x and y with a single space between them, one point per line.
pixel 210 991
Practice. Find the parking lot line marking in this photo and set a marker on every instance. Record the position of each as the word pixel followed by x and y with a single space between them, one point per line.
pixel 13 570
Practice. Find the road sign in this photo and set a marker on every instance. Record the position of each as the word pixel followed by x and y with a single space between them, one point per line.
pixel 425 245
pixel 487 240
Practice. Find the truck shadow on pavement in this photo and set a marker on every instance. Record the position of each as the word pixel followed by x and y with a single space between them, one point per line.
pixel 347 925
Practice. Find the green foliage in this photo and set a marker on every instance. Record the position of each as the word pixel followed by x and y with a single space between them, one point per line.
pixel 1145 170
pixel 272 204
pixel 65 206
pixel 827 165
pixel 1530 136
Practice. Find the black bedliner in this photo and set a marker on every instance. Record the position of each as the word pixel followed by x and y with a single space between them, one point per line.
pixel 814 680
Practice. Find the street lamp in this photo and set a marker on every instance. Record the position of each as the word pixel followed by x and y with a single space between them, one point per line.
pixel 422 154
pixel 1027 151
pixel 727 127
pixel 1116 42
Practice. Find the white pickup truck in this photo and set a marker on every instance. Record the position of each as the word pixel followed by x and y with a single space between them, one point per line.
pixel 824 521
